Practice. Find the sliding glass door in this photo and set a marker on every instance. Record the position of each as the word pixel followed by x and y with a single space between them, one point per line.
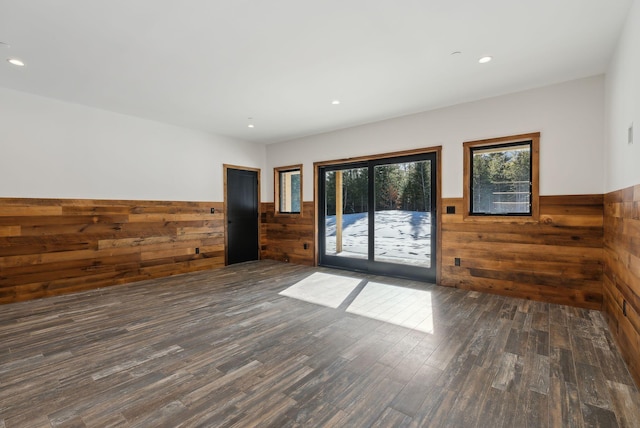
pixel 378 216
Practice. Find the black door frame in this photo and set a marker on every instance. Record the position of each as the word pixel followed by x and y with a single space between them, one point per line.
pixel 225 168
pixel 383 268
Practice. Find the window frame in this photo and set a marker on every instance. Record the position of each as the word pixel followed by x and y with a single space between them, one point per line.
pixel 276 189
pixel 534 140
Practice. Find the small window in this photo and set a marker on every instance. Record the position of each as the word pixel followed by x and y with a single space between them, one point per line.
pixel 288 189
pixel 502 176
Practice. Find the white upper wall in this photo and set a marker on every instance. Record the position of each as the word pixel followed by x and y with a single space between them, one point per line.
pixel 54 149
pixel 570 117
pixel 623 107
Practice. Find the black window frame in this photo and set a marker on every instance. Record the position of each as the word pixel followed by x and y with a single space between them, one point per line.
pixel 487 143
pixel 479 148
pixel 278 171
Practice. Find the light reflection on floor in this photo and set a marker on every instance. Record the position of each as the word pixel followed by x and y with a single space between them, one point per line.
pixel 322 289
pixel 405 307
pixel 401 306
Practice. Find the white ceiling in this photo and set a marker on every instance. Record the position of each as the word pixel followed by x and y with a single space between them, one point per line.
pixel 211 64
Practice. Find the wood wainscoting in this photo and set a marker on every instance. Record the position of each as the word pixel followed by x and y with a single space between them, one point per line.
pixel 557 260
pixel 283 236
pixel 53 246
pixel 57 246
pixel 622 272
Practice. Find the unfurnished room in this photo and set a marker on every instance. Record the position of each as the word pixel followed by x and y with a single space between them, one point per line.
pixel 296 213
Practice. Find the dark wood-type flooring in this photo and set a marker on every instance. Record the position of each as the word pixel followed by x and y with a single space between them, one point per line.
pixel 222 348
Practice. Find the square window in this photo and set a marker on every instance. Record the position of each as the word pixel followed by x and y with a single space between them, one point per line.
pixel 501 177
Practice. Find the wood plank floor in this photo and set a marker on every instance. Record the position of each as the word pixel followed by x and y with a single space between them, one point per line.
pixel 223 348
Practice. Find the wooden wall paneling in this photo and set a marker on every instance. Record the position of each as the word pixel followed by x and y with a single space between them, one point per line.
pixel 56 246
pixel 283 236
pixel 558 259
pixel 622 272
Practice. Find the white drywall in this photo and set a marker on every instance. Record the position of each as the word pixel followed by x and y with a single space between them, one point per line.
pixel 54 149
pixel 570 117
pixel 623 107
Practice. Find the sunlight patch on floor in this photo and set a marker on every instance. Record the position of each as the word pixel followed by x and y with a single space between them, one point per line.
pixel 322 289
pixel 401 306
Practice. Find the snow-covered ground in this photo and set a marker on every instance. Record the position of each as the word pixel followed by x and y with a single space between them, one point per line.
pixel 400 236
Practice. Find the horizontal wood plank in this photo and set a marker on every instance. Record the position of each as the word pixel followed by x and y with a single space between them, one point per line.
pixel 283 237
pixel 622 272
pixel 558 259
pixel 57 246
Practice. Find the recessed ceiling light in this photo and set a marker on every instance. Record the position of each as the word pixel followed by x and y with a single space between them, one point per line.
pixel 335 102
pixel 456 53
pixel 250 125
pixel 16 62
pixel 485 59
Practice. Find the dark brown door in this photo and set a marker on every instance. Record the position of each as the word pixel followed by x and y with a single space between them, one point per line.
pixel 242 215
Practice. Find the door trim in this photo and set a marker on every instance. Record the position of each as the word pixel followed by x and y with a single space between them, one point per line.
pixel 226 167
pixel 435 149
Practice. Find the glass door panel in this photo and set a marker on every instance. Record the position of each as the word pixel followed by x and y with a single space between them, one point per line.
pixel 403 213
pixel 346 205
pixel 402 216
pixel 378 216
